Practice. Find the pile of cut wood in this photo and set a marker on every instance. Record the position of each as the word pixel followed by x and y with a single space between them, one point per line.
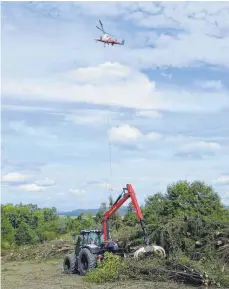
pixel 171 271
pixel 48 250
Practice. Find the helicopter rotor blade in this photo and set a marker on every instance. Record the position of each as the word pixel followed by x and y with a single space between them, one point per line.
pixel 101 24
pixel 103 31
pixel 100 29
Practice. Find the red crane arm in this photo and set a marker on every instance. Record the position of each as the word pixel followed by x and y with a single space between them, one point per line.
pixel 127 193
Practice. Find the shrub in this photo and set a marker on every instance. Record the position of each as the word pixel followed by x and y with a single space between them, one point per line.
pixel 5 245
pixel 108 271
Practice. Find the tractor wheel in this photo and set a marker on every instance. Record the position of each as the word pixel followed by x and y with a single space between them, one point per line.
pixel 86 262
pixel 70 264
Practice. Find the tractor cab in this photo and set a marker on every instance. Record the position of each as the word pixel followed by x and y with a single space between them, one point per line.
pixel 89 237
pixel 92 237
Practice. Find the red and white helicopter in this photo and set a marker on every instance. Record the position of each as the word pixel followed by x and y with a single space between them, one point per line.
pixel 107 39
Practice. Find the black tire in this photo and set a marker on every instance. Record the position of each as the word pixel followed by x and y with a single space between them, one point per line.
pixel 69 264
pixel 86 261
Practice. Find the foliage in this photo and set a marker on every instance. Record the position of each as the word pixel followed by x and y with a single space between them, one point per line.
pixel 49 250
pixel 196 198
pixel 215 268
pixel 101 212
pixel 210 263
pixel 130 218
pixel 115 220
pixel 188 218
pixel 28 224
pixel 187 213
pixel 107 271
pixel 206 271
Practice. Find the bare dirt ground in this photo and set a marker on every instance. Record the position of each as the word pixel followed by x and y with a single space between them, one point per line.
pixel 49 275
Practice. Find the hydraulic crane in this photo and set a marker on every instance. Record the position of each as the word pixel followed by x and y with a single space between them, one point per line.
pixel 127 193
pixel 93 243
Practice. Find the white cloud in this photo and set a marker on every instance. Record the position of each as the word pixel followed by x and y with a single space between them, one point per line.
pixel 15 177
pixel 77 191
pixel 19 181
pixel 225 197
pixel 131 89
pixel 199 23
pixel 31 188
pixel 46 182
pixel 191 141
pixel 104 185
pixel 101 75
pixel 168 75
pixel 195 23
pixel 22 128
pixel 109 90
pixel 210 84
pixel 124 133
pixel 149 114
pixel 101 9
pixel 154 136
pixel 222 180
pixel 201 147
pixel 117 83
pixel 91 116
pixel 25 108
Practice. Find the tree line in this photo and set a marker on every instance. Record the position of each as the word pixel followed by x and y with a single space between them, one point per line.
pixel 186 209
pixel 28 224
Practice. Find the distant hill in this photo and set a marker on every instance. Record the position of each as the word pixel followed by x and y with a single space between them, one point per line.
pixel 77 212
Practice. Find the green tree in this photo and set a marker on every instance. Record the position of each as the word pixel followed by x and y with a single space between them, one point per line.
pixel 7 231
pixel 25 235
pixel 50 214
pixel 100 213
pixel 115 219
pixel 188 212
pixel 24 224
pixel 130 219
pixel 195 198
pixel 88 222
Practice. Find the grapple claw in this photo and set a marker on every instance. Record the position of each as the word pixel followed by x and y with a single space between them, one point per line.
pixel 157 250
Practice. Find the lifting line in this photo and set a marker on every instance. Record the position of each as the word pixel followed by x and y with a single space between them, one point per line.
pixel 110 159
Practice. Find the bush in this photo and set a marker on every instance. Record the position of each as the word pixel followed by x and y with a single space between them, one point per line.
pixel 108 271
pixel 5 245
pixel 215 268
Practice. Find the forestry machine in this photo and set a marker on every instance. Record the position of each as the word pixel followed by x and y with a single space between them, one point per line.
pixel 92 244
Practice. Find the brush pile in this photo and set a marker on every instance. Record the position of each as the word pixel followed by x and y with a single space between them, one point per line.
pixel 44 251
pixel 176 272
pixel 181 235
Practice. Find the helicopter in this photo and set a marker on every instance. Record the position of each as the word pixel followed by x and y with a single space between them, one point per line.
pixel 106 38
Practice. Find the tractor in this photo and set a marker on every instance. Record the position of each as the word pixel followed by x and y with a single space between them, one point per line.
pixel 92 243
pixel 89 250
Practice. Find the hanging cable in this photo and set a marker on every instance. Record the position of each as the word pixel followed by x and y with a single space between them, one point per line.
pixel 110 158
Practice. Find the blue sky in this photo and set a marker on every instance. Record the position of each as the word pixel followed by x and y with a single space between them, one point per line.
pixel 162 100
